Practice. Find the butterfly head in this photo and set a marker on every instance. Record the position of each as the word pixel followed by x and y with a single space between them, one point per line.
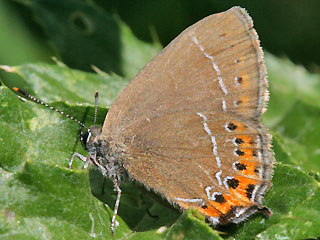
pixel 90 136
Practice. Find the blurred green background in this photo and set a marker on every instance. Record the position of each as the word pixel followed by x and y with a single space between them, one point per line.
pixel 286 28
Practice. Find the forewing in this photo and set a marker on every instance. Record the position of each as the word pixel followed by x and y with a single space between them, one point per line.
pixel 214 65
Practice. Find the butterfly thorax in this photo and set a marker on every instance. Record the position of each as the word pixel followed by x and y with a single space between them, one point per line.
pixel 107 158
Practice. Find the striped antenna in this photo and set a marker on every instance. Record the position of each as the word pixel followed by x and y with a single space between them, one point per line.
pixel 96 96
pixel 32 98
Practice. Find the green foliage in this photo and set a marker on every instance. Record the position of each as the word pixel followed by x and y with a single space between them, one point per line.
pixel 85 33
pixel 40 198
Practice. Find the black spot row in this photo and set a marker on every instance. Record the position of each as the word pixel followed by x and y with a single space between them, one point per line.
pixel 239 152
pixel 239 80
pixel 239 141
pixel 254 153
pixel 219 198
pixel 249 190
pixel 232 126
pixel 239 102
pixel 233 183
pixel 241 166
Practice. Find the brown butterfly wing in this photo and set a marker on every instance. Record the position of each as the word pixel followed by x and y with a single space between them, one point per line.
pixel 210 79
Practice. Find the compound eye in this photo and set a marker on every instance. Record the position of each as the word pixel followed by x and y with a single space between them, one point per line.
pixel 84 139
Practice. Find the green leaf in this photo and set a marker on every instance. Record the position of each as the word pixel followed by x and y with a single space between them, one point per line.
pixel 191 225
pixel 84 34
pixel 46 80
pixel 300 131
pixel 294 111
pixel 289 83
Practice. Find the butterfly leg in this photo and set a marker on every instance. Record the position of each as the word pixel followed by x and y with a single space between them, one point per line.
pixel 116 206
pixel 81 157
